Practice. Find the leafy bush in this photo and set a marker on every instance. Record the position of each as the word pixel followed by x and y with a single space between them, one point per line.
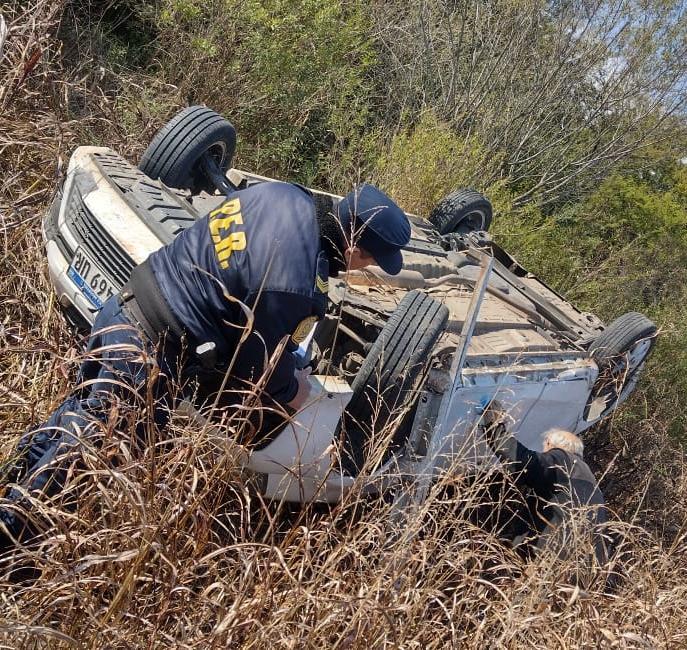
pixel 561 91
pixel 290 75
pixel 623 249
pixel 426 161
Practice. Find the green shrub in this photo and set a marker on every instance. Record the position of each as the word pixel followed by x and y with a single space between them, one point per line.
pixel 291 76
pixel 428 160
pixel 623 249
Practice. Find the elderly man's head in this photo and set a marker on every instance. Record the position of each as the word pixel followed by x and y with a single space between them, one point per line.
pixel 561 439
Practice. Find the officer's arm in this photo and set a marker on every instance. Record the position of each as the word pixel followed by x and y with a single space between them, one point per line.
pixel 276 316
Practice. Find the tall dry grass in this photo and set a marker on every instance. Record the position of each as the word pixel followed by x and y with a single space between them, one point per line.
pixel 167 547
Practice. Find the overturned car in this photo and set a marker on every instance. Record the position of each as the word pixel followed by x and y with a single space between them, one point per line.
pixel 403 365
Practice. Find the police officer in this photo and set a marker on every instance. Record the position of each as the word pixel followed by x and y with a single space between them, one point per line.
pixel 241 287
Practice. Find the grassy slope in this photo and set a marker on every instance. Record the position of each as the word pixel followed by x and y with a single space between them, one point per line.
pixel 143 561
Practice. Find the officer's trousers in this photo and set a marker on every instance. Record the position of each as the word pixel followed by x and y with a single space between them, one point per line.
pixel 123 369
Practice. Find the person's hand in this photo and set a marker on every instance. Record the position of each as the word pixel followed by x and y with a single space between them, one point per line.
pixel 493 414
pixel 303 388
pixel 495 424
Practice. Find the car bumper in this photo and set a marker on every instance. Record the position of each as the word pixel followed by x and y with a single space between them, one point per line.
pixel 77 308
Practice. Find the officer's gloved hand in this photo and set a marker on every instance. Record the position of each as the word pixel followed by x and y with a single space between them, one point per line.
pixel 303 388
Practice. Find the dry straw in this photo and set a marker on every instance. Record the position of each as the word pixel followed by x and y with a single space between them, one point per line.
pixel 167 545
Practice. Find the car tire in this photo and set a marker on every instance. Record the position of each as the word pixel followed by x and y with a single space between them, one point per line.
pixel 174 153
pixel 389 376
pixel 462 212
pixel 620 352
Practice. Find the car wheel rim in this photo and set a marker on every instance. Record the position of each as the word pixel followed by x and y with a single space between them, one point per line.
pixel 620 379
pixel 638 353
pixel 217 151
pixel 470 222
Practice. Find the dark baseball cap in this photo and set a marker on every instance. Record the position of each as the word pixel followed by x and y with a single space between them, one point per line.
pixel 372 221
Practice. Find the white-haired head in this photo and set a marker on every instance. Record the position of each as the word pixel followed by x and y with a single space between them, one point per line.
pixel 562 439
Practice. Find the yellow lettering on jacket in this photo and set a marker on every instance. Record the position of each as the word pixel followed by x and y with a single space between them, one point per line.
pixel 224 236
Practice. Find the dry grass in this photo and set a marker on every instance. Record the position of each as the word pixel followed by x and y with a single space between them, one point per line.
pixel 167 548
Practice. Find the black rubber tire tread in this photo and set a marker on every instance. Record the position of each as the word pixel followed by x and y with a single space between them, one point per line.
pixel 389 373
pixel 621 335
pixel 176 147
pixel 608 348
pixel 447 215
pixel 162 151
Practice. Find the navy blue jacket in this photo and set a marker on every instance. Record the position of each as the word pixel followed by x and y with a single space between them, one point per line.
pixel 260 248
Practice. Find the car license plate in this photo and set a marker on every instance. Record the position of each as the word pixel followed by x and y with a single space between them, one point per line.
pixel 90 279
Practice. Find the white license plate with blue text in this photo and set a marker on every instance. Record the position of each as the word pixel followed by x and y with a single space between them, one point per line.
pixel 90 279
